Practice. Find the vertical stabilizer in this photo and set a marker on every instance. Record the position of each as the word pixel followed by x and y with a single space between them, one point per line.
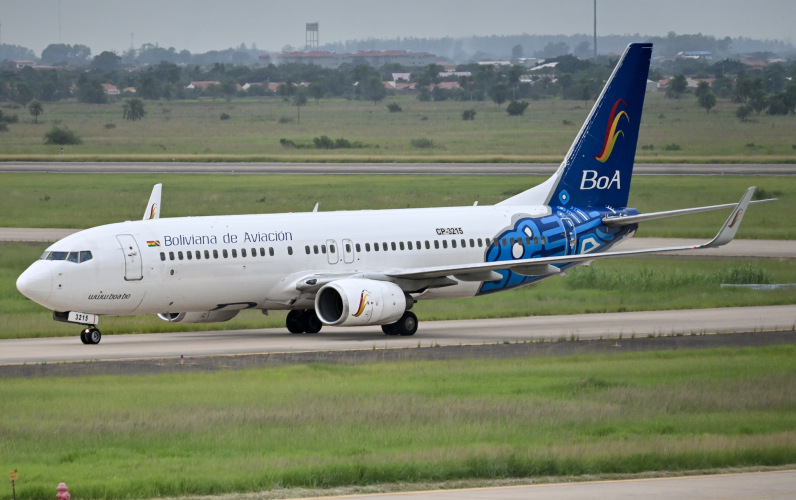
pixel 153 207
pixel 597 169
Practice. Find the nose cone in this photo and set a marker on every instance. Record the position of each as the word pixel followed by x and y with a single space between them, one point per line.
pixel 36 282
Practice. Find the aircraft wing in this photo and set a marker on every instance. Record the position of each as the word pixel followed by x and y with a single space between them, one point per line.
pixel 545 265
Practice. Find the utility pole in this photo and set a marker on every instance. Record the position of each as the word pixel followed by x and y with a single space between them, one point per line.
pixel 595 30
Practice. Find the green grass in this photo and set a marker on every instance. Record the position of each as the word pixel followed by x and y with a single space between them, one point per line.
pixel 193 130
pixel 84 200
pixel 322 426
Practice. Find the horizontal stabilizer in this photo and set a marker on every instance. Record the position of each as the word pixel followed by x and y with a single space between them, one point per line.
pixel 635 219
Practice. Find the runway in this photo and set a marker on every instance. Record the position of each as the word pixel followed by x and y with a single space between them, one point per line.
pixel 769 485
pixel 347 168
pixel 430 333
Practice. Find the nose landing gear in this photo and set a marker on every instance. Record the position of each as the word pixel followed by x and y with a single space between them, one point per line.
pixel 90 335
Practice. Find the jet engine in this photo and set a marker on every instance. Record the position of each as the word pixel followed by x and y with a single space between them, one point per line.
pixel 199 317
pixel 356 302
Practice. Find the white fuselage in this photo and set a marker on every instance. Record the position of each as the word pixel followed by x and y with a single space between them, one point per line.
pixel 256 261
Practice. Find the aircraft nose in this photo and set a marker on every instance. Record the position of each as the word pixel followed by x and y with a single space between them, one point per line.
pixel 36 283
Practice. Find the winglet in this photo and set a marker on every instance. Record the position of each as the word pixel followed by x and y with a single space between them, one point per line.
pixel 153 207
pixel 730 227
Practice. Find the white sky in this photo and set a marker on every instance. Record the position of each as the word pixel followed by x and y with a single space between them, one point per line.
pixel 203 25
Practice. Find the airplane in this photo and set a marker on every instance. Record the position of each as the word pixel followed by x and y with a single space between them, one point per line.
pixel 367 267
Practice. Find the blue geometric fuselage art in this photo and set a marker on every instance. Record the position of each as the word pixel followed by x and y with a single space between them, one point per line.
pixel 567 231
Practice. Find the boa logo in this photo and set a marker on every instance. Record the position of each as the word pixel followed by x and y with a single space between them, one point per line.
pixel 591 180
pixel 363 301
pixel 612 131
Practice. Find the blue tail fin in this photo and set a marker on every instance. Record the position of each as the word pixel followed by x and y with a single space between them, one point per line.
pixel 597 169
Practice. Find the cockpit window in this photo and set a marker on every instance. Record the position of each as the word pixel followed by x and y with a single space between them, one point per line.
pixel 76 257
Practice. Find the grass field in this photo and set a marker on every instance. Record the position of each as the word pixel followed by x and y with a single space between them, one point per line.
pixel 322 426
pixel 80 201
pixel 677 130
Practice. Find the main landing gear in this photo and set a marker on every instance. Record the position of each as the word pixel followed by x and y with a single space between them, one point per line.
pixel 91 335
pixel 305 321
pixel 405 326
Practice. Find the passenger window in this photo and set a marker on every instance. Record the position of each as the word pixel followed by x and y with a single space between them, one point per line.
pixel 323 249
pixel 262 252
pixel 198 255
pixel 453 243
pixel 225 253
pixel 375 247
pixel 179 255
pixel 367 247
pixel 315 249
pixel 86 255
pixel 243 252
pixel 464 243
pixel 480 243
pixel 444 243
pixel 392 244
pixel 171 255
pixel 234 253
pixel 358 248
pixel 409 245
pixel 290 250
pixel 428 245
pixel 188 254
pixel 331 249
pixel 307 249
pixel 384 246
pixel 400 244
pixel 348 247
pixel 487 241
pixel 271 251
pixel 215 254
pixel 436 244
pixel 207 254
pixel 162 255
pixel 472 243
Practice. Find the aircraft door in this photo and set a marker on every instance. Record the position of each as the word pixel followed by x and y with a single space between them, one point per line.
pixel 570 234
pixel 133 268
pixel 348 251
pixel 331 247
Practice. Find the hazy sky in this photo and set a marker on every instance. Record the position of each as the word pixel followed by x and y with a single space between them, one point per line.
pixel 202 25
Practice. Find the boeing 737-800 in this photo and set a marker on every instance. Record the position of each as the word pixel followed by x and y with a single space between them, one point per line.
pixel 355 268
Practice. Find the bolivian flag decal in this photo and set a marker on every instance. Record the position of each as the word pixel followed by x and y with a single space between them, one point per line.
pixel 153 243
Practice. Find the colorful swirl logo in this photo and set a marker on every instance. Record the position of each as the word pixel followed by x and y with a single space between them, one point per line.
pixel 611 132
pixel 363 300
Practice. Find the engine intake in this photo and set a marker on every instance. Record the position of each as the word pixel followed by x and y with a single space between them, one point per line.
pixel 356 302
pixel 198 317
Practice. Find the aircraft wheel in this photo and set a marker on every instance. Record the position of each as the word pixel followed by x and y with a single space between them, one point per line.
pixel 407 325
pixel 91 335
pixel 311 322
pixel 293 322
pixel 389 329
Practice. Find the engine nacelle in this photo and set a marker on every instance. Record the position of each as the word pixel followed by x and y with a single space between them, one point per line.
pixel 357 302
pixel 199 317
